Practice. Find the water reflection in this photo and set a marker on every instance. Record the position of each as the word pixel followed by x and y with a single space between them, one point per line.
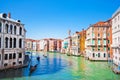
pixel 47 65
pixel 61 67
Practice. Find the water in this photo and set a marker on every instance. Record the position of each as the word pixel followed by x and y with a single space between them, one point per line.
pixel 61 67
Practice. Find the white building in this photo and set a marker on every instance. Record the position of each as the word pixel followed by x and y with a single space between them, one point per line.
pixel 43 42
pixel 66 45
pixel 116 36
pixel 12 38
pixel 75 44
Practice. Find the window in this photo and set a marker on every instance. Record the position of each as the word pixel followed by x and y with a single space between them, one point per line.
pixel 6 42
pixel 6 28
pixel 104 42
pixel 6 56
pixel 14 63
pixel 20 55
pixel 98 54
pixel 104 55
pixel 98 42
pixel 11 27
pixel 109 55
pixel 103 28
pixel 20 62
pixel 20 31
pixel 0 56
pixel 78 36
pixel 98 35
pixel 104 48
pixel 5 64
pixel 98 28
pixel 10 56
pixel 108 41
pixel 108 48
pixel 93 54
pixel 15 29
pixel 98 48
pixel 93 35
pixel 118 18
pixel 104 35
pixel 14 56
pixel 10 42
pixel 14 45
pixel 0 42
pixel 93 48
pixel 0 27
pixel 115 20
pixel 20 43
pixel 93 41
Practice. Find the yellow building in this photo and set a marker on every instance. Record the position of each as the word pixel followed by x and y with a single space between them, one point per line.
pixel 82 42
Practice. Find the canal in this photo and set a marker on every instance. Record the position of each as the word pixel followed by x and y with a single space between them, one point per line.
pixel 61 67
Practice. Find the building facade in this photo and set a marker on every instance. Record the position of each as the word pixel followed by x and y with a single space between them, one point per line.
pixel 116 37
pixel 75 44
pixel 82 42
pixel 98 41
pixel 12 38
pixel 48 44
pixel 67 45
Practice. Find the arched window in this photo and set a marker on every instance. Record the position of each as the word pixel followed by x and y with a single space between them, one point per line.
pixel 98 54
pixel 104 55
pixel 0 27
pixel 109 55
pixel 14 45
pixel 93 54
pixel 20 43
pixel 20 31
pixel 0 42
pixel 10 42
pixel 15 29
pixel 6 28
pixel 14 56
pixel 11 28
pixel 6 42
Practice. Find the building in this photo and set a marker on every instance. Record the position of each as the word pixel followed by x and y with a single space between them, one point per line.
pixel 116 37
pixel 98 41
pixel 75 44
pixel 59 45
pixel 12 38
pixel 48 44
pixel 28 44
pixel 44 45
pixel 82 42
pixel 55 44
pixel 37 45
pixel 32 45
pixel 67 45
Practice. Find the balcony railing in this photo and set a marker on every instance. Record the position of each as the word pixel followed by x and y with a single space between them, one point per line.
pixel 115 45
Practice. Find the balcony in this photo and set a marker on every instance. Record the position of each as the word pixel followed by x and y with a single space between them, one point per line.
pixel 99 44
pixel 104 44
pixel 91 44
pixel 115 45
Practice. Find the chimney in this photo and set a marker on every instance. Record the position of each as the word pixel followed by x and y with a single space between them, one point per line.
pixel 9 15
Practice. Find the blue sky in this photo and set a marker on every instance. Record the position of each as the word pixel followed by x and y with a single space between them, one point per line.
pixel 53 18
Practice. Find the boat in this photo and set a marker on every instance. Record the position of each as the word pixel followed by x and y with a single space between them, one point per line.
pixel 33 68
pixel 44 55
pixel 38 58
